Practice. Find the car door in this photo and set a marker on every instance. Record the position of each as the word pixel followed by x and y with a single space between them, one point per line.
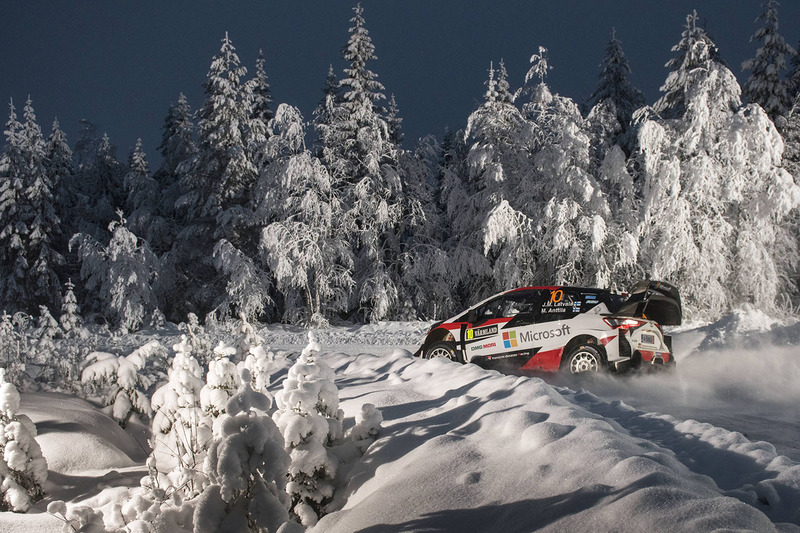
pixel 489 335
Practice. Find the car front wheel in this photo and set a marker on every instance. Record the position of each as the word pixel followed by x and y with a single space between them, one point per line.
pixel 442 349
pixel 584 358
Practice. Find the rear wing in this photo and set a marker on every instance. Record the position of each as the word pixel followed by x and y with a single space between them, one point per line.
pixel 654 300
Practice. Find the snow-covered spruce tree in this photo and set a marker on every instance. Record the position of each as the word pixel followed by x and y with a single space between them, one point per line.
pixel 614 87
pixel 60 169
pixel 222 381
pixel 38 212
pixel 28 221
pixel 366 428
pixel 693 50
pixel 11 357
pixel 217 225
pixel 181 430
pixel 427 270
pixel 100 178
pixel 766 86
pixel 305 246
pixel 363 163
pixel 23 470
pixel 712 187
pixel 177 150
pixel 261 364
pixel 309 418
pixel 494 134
pixel 13 231
pixel 260 92
pixel 246 467
pixel 121 274
pixel 70 320
pixel 123 380
pixel 142 202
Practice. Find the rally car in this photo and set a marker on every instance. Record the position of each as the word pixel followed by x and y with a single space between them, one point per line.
pixel 575 329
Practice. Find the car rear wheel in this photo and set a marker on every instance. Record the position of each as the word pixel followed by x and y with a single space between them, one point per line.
pixel 584 358
pixel 442 349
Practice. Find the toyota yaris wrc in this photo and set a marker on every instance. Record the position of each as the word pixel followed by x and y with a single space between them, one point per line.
pixel 571 328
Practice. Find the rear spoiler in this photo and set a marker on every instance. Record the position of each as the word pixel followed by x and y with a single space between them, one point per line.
pixel 654 300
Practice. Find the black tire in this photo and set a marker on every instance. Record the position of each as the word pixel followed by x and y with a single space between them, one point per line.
pixel 442 349
pixel 583 359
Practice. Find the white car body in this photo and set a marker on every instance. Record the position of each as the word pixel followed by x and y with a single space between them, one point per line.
pixel 543 328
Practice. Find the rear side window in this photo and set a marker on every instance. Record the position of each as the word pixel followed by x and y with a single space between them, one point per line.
pixel 561 304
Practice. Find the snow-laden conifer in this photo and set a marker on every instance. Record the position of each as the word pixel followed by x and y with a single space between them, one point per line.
pixel 60 169
pixel 123 381
pixel 13 231
pixel 714 190
pixel 39 214
pixel 181 429
pixel 309 418
pixel 23 470
pixel 246 467
pixel 222 381
pixel 613 85
pixel 694 50
pixel 121 274
pixel 766 86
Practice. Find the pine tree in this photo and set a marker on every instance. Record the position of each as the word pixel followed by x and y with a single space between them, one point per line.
pixel 495 134
pixel 181 430
pixel 765 86
pixel 142 202
pixel 613 86
pixel 364 163
pixel 246 467
pixel 260 92
pixel 70 319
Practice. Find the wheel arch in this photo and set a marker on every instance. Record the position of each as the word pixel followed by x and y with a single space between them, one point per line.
pixel 438 334
pixel 579 340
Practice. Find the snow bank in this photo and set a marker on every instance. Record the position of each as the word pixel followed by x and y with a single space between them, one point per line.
pixel 76 438
pixel 465 448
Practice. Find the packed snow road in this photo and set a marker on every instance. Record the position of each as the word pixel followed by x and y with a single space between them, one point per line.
pixel 714 444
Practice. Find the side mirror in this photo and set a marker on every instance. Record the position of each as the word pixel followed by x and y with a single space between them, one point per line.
pixel 472 317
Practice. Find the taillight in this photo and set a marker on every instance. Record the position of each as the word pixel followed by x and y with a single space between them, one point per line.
pixel 623 323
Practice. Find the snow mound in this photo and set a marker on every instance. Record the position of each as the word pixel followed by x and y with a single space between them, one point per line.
pixel 75 437
pixel 746 324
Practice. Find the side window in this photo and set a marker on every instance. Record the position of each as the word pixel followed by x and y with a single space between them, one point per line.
pixel 489 310
pixel 525 302
pixel 560 304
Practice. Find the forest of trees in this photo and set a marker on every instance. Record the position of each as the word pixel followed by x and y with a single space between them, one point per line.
pixel 258 212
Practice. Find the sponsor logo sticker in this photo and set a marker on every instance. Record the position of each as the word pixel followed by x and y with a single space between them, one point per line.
pixel 510 339
pixel 482 346
pixel 481 332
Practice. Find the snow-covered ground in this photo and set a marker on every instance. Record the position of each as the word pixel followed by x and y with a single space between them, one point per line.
pixel 713 445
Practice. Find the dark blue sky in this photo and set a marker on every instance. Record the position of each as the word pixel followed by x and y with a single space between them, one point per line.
pixel 121 64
